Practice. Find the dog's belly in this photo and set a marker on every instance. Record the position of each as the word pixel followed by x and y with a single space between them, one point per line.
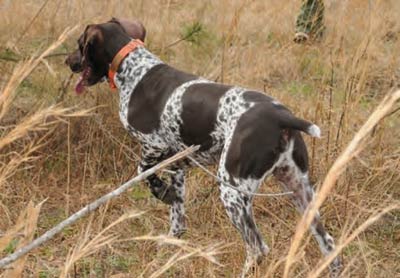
pixel 172 143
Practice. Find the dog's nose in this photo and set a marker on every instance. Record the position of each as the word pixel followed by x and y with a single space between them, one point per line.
pixel 67 61
pixel 74 61
pixel 74 65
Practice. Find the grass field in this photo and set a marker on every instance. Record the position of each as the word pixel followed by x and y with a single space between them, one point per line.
pixel 69 150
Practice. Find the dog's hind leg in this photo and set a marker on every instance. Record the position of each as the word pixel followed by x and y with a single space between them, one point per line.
pixel 238 206
pixel 293 175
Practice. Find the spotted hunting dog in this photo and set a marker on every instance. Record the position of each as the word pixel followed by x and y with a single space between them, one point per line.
pixel 247 133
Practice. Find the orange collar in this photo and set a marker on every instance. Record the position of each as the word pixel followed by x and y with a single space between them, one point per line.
pixel 131 46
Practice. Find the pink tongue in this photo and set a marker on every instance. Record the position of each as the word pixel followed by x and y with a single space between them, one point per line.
pixel 79 86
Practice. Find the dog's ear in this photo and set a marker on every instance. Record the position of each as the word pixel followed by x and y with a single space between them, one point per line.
pixel 134 28
pixel 92 39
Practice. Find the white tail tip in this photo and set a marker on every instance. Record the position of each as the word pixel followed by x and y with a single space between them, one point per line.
pixel 314 131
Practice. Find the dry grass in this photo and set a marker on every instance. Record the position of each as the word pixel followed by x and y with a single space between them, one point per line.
pixel 87 246
pixel 353 149
pixel 28 220
pixel 53 152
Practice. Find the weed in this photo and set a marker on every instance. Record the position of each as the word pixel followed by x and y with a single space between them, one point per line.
pixel 193 33
pixel 10 248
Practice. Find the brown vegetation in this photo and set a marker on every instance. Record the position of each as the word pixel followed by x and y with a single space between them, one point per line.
pixel 53 148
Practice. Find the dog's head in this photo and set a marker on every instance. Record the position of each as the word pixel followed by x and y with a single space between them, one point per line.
pixel 97 46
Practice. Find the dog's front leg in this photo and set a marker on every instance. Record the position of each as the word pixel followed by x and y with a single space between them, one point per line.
pixel 173 194
pixel 150 157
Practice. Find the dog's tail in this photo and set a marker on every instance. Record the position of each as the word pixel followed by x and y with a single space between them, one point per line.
pixel 290 121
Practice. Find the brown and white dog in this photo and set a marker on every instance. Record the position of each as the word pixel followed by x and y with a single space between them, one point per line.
pixel 247 133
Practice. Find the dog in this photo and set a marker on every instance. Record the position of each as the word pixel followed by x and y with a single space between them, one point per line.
pixel 247 133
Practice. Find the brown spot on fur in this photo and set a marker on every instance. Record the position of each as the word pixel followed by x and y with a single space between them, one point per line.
pixel 200 106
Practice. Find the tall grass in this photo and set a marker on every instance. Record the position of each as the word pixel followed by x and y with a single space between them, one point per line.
pixel 70 157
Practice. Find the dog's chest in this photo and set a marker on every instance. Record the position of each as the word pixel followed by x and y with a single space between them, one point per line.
pixel 132 70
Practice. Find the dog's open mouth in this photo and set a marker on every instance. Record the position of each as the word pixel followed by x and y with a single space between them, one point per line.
pixel 82 80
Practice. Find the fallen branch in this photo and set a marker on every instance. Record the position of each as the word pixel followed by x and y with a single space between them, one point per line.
pixel 92 206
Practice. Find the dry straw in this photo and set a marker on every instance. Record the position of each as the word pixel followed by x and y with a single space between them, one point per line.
pixel 29 220
pixel 87 246
pixel 355 146
pixel 371 220
pixel 92 206
pixel 263 50
pixel 186 251
pixel 39 121
pixel 22 70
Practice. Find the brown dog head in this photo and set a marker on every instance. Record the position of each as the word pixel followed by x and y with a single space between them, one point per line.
pixel 92 58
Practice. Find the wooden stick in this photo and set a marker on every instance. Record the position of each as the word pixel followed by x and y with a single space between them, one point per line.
pixel 92 206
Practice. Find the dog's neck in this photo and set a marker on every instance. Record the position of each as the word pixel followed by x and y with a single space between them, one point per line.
pixel 119 57
pixel 131 70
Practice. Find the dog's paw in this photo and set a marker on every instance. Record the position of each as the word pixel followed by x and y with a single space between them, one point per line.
pixel 177 233
pixel 166 194
pixel 335 268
